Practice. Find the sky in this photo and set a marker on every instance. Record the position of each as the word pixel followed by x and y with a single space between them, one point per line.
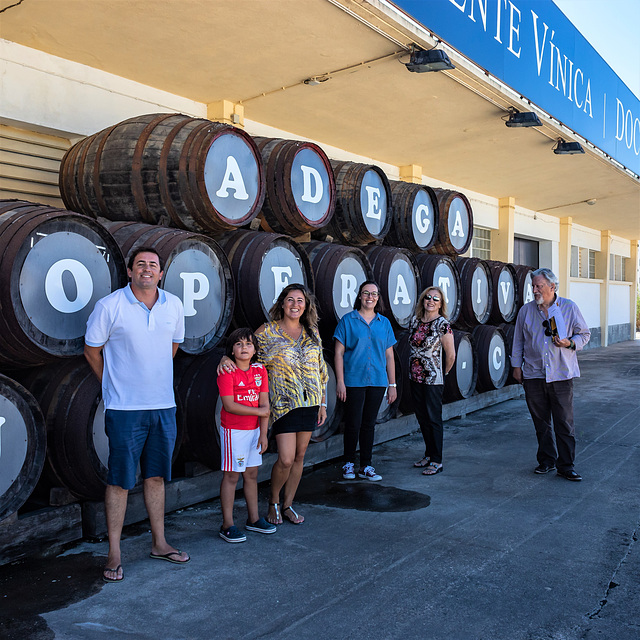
pixel 612 28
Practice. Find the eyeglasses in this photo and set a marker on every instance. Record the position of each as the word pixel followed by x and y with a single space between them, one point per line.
pixel 550 328
pixel 370 294
pixel 430 297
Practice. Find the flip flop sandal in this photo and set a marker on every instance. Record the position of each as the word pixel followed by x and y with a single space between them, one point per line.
pixel 107 580
pixel 432 468
pixel 295 515
pixel 423 462
pixel 168 557
pixel 276 508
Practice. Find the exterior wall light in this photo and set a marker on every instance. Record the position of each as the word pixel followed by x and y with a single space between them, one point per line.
pixel 563 148
pixel 523 119
pixel 432 60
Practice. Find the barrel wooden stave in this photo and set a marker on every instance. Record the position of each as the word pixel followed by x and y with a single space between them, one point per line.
pixel 458 224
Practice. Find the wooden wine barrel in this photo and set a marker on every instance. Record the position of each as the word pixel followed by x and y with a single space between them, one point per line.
pixel 525 284
pixel 414 217
pixel 54 266
pixel 493 359
pixel 389 411
pixel 166 167
pixel 196 270
pixel 508 330
pixel 23 442
pixel 263 264
pixel 334 408
pixel 70 396
pixel 455 226
pixel 338 273
pixel 363 200
pixel 397 274
pixel 440 271
pixel 300 187
pixel 460 383
pixel 477 291
pixel 504 302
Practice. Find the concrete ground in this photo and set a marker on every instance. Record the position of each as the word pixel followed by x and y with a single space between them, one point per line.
pixel 484 551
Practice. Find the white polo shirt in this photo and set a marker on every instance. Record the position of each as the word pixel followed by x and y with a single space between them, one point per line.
pixel 137 348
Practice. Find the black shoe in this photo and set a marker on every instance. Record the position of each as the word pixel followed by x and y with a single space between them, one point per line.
pixel 570 475
pixel 543 468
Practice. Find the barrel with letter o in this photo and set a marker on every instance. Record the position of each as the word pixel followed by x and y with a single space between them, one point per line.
pixel 54 266
pixel 166 168
pixel 440 271
pixel 477 291
pixel 23 442
pixel 263 264
pixel 300 187
pixel 455 226
pixel 493 359
pixel 196 270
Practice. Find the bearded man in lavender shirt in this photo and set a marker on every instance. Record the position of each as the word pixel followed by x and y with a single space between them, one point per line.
pixel 549 332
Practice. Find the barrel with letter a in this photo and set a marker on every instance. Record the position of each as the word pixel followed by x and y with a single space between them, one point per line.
pixel 455 226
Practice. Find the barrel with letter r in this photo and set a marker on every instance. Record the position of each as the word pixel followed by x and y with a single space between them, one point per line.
pixel 300 187
pixel 493 358
pixel 166 168
pixel 196 270
pixel 363 201
pixel 263 264
pixel 54 266
pixel 23 442
pixel 455 225
pixel 440 271
pixel 476 292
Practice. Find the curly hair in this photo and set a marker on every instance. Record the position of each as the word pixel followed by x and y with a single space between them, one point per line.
pixel 309 319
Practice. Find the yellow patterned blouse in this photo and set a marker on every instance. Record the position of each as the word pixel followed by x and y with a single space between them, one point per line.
pixel 297 370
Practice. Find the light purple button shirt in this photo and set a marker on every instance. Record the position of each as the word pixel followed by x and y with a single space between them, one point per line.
pixel 535 352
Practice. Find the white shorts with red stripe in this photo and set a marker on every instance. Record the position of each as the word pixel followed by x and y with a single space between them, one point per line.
pixel 239 449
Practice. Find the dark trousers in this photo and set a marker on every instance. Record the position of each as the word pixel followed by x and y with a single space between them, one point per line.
pixel 427 401
pixel 360 413
pixel 547 401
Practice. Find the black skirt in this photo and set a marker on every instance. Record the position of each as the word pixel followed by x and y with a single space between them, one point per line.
pixel 297 420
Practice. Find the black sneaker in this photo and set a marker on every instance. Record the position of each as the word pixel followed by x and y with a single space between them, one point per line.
pixel 570 475
pixel 543 468
pixel 232 534
pixel 261 526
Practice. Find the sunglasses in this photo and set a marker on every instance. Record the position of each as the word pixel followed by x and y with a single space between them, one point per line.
pixel 550 327
pixel 370 294
pixel 430 297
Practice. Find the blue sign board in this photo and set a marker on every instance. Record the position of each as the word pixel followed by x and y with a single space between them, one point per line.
pixel 533 47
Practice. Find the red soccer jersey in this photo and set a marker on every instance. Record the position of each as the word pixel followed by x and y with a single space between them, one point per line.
pixel 245 387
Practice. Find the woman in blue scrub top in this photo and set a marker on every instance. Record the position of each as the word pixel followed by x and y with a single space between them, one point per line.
pixel 365 369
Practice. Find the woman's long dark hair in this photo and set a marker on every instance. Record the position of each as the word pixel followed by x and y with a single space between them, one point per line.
pixel 357 305
pixel 309 318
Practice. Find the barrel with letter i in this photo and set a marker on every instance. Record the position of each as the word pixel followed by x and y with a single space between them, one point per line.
pixel 477 292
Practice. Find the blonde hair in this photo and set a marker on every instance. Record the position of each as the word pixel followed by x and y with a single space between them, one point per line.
pixel 420 304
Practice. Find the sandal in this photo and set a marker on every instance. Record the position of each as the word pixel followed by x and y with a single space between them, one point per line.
pixel 276 509
pixel 296 518
pixel 432 468
pixel 423 462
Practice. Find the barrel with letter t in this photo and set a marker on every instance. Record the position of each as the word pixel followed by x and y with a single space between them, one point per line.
pixel 54 266
pixel 440 271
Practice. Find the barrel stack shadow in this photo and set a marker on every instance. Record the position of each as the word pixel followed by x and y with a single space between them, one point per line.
pixel 234 219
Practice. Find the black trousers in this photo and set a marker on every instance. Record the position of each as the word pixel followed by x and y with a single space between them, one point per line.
pixel 427 401
pixel 549 401
pixel 360 413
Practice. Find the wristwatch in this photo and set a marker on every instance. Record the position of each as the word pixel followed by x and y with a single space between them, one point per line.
pixel 393 385
pixel 571 345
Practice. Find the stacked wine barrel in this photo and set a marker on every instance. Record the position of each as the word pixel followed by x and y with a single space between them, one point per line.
pixel 234 220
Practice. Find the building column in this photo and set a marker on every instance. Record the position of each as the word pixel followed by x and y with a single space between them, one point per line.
pixel 564 257
pixel 411 173
pixel 633 277
pixel 227 112
pixel 502 237
pixel 603 271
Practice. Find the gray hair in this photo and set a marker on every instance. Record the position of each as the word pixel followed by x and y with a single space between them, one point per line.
pixel 548 275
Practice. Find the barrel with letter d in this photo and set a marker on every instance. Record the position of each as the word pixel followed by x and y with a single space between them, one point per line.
pixel 166 168
pixel 477 291
pixel 363 200
pixel 504 303
pixel 54 266
pixel 338 272
pixel 300 187
pixel 493 359
pixel 440 271
pixel 263 264
pixel 455 226
pixel 196 270
pixel 396 272
pixel 414 217
pixel 23 442
pixel 460 382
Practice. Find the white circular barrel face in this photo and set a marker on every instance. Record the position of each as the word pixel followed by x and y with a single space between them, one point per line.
pixel 459 224
pixel 311 185
pixel 423 219
pixel 444 277
pixel 62 277
pixel 506 293
pixel 528 289
pixel 497 359
pixel 280 266
pixel 196 277
pixel 402 289
pixel 480 299
pixel 464 367
pixel 232 177
pixel 349 275
pixel 373 202
pixel 14 439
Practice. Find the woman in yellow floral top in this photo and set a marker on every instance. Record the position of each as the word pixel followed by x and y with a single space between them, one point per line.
pixel 291 350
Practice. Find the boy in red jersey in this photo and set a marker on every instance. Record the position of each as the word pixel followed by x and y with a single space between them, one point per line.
pixel 243 432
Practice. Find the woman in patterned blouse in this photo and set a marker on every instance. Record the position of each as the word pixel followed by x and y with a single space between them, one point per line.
pixel 430 333
pixel 291 350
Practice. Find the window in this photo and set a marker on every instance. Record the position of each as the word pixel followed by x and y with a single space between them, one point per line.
pixel 526 252
pixel 481 245
pixel 583 263
pixel 617 268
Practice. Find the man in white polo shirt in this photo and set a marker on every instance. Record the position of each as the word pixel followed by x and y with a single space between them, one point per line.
pixel 132 337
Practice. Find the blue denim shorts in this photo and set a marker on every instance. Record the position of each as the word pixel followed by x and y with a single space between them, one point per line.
pixel 139 437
